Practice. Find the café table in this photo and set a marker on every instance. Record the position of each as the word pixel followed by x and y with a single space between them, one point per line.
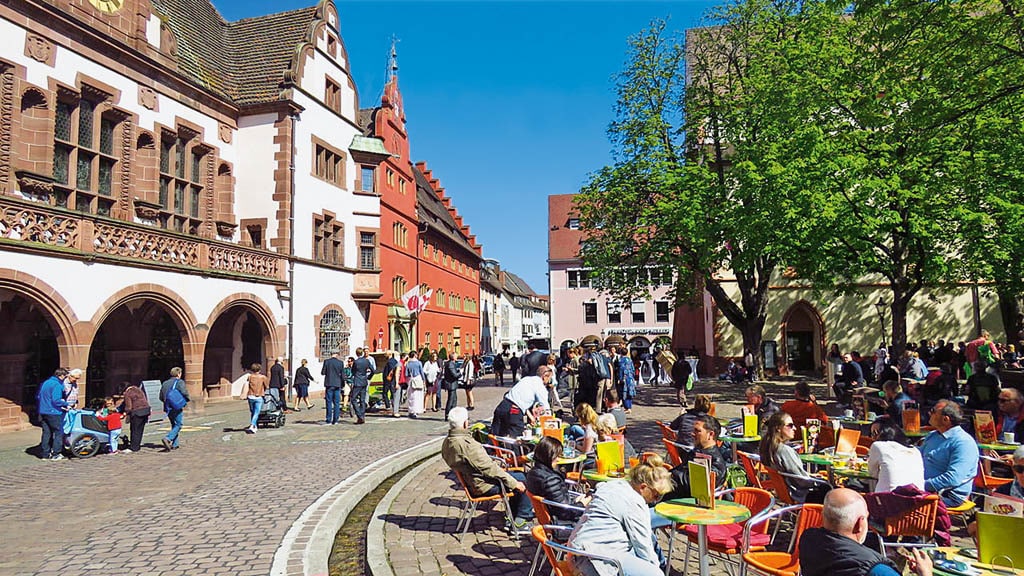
pixel 577 458
pixel 829 462
pixel 999 447
pixel 595 476
pixel 686 511
pixel 736 440
pixel 954 553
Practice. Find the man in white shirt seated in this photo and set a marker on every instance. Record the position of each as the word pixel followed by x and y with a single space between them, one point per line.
pixel 508 416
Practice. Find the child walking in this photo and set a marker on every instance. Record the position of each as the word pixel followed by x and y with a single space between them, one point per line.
pixel 112 418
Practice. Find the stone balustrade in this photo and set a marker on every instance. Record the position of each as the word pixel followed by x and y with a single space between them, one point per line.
pixel 39 226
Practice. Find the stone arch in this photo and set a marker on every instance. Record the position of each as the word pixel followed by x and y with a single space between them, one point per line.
pixel 63 320
pixel 229 349
pixel 147 168
pixel 193 336
pixel 35 138
pixel 803 339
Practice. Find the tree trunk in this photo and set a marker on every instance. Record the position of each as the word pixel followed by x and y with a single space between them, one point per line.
pixel 752 334
pixel 898 310
pixel 1010 310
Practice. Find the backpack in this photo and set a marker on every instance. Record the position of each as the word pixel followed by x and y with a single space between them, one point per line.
pixel 174 399
pixel 600 366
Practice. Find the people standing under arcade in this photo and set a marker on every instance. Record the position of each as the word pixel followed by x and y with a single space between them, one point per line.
pixel 52 404
pixel 71 394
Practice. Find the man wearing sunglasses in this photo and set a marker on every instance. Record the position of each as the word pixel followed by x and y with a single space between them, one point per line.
pixel 1010 418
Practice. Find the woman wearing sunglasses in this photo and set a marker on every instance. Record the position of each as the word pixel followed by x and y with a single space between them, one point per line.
pixel 778 455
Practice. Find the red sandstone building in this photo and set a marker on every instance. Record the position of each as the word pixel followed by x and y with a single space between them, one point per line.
pixel 425 242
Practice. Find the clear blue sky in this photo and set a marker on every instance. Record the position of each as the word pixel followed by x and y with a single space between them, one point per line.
pixel 507 102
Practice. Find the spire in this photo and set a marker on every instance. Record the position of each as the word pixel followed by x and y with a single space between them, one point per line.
pixel 393 60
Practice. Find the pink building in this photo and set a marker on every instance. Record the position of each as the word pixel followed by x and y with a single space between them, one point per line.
pixel 578 310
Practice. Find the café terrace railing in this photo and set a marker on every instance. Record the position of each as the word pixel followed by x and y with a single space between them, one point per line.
pixel 36 226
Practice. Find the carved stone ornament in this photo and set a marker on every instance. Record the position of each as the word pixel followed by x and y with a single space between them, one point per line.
pixel 226 133
pixel 34 186
pixel 226 228
pixel 146 210
pixel 148 97
pixel 39 48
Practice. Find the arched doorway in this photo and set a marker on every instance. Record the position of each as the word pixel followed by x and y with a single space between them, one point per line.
pixel 238 338
pixel 138 340
pixel 802 338
pixel 29 352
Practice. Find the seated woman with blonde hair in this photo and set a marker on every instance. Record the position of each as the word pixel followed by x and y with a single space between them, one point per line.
pixel 617 523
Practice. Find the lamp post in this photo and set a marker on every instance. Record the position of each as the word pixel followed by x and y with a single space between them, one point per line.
pixel 880 307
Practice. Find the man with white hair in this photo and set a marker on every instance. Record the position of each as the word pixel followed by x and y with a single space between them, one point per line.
pixel 482 475
pixel 838 548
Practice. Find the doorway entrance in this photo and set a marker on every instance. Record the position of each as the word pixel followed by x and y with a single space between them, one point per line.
pixel 803 337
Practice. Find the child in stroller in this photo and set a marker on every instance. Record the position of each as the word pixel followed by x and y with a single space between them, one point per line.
pixel 271 414
pixel 85 434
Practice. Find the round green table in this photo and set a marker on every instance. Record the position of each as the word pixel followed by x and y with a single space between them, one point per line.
pixel 999 447
pixel 685 511
pixel 736 440
pixel 593 476
pixel 833 470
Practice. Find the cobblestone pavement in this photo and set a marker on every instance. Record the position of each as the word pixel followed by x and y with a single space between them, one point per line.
pixel 419 527
pixel 219 505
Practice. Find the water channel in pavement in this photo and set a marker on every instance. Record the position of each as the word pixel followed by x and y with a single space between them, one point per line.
pixel 348 555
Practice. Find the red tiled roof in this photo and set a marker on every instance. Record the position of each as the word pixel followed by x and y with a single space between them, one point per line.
pixel 563 243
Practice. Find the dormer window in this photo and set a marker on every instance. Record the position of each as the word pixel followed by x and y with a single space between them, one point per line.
pixel 573 224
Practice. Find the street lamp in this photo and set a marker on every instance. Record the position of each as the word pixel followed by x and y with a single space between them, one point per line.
pixel 880 306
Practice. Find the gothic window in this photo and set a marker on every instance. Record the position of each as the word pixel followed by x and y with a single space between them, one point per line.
pixel 328 236
pixel 182 161
pixel 85 154
pixel 334 333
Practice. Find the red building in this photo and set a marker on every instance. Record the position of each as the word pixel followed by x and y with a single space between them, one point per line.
pixel 423 241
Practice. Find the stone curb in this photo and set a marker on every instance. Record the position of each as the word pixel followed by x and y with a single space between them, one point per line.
pixel 306 547
pixel 376 549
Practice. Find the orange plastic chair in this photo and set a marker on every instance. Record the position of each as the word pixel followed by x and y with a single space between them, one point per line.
pixel 985 483
pixel 543 516
pixel 511 452
pixel 563 566
pixel 733 539
pixel 918 521
pixel 775 483
pixel 785 563
pixel 466 516
pixel 862 450
pixel 675 451
pixel 666 432
pixel 752 467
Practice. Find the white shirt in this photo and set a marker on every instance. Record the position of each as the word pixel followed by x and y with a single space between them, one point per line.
pixel 528 391
pixel 430 371
pixel 895 465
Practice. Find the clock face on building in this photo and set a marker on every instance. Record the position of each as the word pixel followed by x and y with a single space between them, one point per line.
pixel 107 6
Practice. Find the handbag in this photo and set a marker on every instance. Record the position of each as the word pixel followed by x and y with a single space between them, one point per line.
pixel 174 399
pixel 416 383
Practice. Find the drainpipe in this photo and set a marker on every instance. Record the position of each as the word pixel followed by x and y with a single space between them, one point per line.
pixel 292 117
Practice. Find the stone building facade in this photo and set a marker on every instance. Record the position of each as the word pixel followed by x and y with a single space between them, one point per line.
pixel 178 190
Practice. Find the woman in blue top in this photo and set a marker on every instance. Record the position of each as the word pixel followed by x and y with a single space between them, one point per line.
pixel 626 379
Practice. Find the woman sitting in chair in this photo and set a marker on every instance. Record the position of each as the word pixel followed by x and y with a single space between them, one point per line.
pixel 892 460
pixel 617 523
pixel 548 482
pixel 778 455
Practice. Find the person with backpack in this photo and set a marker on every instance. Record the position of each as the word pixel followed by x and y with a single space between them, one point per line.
pixel 174 395
pixel 451 378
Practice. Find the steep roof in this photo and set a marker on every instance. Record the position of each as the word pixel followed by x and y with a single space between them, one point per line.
pixel 563 242
pixel 432 212
pixel 244 61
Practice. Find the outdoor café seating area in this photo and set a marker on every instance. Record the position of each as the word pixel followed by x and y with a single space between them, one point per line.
pixel 753 522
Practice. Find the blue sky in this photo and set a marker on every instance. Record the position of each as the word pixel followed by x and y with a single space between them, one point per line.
pixel 507 102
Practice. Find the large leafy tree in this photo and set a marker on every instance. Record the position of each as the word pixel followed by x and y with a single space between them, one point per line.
pixel 905 93
pixel 701 194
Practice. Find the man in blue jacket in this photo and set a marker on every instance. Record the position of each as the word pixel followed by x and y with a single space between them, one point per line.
pixel 50 400
pixel 362 370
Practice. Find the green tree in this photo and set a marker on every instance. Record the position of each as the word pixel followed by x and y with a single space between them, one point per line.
pixel 901 90
pixel 701 194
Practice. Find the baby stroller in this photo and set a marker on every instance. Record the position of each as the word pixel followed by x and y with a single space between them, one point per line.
pixel 271 414
pixel 86 434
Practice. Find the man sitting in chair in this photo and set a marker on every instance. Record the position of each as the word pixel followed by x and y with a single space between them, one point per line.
pixel 838 548
pixel 483 476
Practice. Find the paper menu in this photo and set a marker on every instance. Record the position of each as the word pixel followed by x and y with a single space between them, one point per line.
pixel 911 417
pixel 749 425
pixel 609 457
pixel 984 427
pixel 810 432
pixel 1004 505
pixel 847 442
pixel 552 427
pixel 702 482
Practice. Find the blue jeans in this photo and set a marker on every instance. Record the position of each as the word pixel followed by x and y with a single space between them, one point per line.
pixel 174 417
pixel 332 397
pixel 255 405
pixel 52 442
pixel 396 399
pixel 112 436
pixel 357 400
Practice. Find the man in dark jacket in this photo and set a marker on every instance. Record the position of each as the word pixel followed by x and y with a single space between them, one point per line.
pixel 499 369
pixel 362 369
pixel 705 440
pixel 390 374
pixel 450 378
pixel 850 377
pixel 278 386
pixel 534 359
pixel 681 372
pixel 333 372
pixel 838 548
pixel 513 365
